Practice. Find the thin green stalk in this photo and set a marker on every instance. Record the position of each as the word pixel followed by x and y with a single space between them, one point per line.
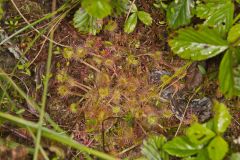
pixel 28 99
pixel 44 97
pixel 29 130
pixel 22 56
pixel 45 83
pixel 175 75
pixel 7 95
pixel 56 136
pixel 25 96
pixel 236 18
pixel 29 47
pixel 49 15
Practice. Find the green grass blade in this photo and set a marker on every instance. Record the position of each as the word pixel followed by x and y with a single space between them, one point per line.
pixel 61 138
pixel 44 96
pixel 28 99
pixel 49 15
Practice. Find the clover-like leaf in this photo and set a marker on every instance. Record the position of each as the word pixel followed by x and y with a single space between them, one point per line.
pixel 217 14
pixel 97 8
pixel 152 148
pixel 197 44
pixel 234 34
pixel 229 76
pixel 179 13
pixel 145 17
pixel 85 23
pixel 198 134
pixel 181 147
pixel 131 23
pixel 217 148
pixel 222 117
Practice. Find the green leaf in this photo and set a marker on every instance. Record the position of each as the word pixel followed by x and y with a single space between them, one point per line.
pixel 131 23
pixel 202 69
pixel 152 148
pixel 86 23
pixel 226 75
pixel 209 124
pixel 235 156
pixel 217 148
pixel 197 44
pixel 202 155
pixel 222 117
pixel 189 158
pixel 119 6
pixel 217 14
pixel 237 55
pixel 234 34
pixel 198 134
pixel 1 8
pixel 236 76
pixel 181 147
pixel 145 17
pixel 97 8
pixel 229 77
pixel 179 13
pixel 134 8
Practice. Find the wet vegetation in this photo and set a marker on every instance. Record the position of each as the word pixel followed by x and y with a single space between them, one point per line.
pixel 119 79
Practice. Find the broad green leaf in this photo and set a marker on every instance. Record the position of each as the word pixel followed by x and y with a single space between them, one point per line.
pixel 203 154
pixel 229 76
pixel 197 44
pixel 131 23
pixel 85 23
pixel 134 8
pixel 179 13
pixel 236 77
pixel 181 147
pixel 226 75
pixel 217 148
pixel 222 117
pixel 234 34
pixel 145 17
pixel 189 158
pixel 198 134
pixel 97 8
pixel 237 55
pixel 152 148
pixel 235 156
pixel 217 14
